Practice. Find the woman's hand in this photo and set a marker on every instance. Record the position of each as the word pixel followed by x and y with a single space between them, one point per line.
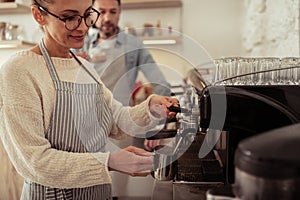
pixel 132 161
pixel 159 106
pixel 151 144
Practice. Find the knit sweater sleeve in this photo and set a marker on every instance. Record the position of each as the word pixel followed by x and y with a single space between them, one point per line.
pixel 134 121
pixel 22 131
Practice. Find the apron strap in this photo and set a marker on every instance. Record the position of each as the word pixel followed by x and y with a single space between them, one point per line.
pixel 49 64
pixel 84 67
pixel 51 67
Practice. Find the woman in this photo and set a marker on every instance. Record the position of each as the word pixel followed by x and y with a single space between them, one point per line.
pixel 56 114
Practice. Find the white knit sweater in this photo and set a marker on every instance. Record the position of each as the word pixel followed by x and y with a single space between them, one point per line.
pixel 26 105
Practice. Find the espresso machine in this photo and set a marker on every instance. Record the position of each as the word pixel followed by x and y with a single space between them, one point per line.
pixel 229 113
pixel 250 110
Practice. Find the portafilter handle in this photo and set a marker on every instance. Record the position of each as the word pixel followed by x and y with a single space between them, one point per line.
pixel 178 109
pixel 205 111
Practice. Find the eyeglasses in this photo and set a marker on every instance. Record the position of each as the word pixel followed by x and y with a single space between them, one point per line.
pixel 74 21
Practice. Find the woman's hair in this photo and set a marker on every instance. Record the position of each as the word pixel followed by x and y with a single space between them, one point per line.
pixel 43 2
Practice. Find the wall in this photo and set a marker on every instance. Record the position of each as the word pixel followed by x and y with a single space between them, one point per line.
pixel 223 28
pixel 208 30
pixel 271 27
pixel 215 24
pixel 206 22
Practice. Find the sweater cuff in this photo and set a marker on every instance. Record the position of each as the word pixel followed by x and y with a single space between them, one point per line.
pixel 103 157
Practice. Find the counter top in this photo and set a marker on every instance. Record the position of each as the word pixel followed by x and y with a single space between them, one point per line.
pixel 162 190
pixel 169 190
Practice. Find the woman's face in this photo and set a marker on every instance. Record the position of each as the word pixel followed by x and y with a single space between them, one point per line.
pixel 57 37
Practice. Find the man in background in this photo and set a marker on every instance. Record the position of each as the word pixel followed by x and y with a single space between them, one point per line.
pixel 119 56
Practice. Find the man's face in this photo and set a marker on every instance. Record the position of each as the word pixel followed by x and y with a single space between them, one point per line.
pixel 109 18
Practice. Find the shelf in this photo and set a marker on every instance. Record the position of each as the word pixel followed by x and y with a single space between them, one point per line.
pixel 160 40
pixel 11 44
pixel 143 4
pixel 13 7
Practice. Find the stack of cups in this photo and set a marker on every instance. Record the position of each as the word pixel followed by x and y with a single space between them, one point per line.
pixel 257 71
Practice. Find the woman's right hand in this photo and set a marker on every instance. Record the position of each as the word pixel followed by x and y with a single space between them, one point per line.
pixel 132 161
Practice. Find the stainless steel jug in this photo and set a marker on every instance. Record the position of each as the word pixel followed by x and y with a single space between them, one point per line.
pixel 165 163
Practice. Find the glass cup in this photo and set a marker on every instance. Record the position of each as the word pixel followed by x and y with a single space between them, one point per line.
pixel 226 69
pixel 267 67
pixel 291 75
pixel 245 69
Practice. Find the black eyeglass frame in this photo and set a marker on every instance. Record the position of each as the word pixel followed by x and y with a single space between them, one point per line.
pixel 41 8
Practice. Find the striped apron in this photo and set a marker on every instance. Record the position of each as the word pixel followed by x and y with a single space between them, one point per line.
pixel 81 122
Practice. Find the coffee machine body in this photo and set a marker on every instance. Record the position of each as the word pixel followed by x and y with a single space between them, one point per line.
pixel 245 111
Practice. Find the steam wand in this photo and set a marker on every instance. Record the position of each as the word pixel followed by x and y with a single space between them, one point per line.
pixel 188 133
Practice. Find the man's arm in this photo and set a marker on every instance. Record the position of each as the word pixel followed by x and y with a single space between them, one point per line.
pixel 152 72
pixel 138 55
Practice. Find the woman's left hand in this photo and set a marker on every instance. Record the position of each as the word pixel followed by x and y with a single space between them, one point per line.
pixel 149 145
pixel 159 106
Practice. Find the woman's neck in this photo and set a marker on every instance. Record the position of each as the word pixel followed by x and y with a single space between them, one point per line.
pixel 55 50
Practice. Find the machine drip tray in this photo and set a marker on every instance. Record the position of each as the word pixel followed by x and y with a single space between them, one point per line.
pixel 206 171
pixel 193 169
